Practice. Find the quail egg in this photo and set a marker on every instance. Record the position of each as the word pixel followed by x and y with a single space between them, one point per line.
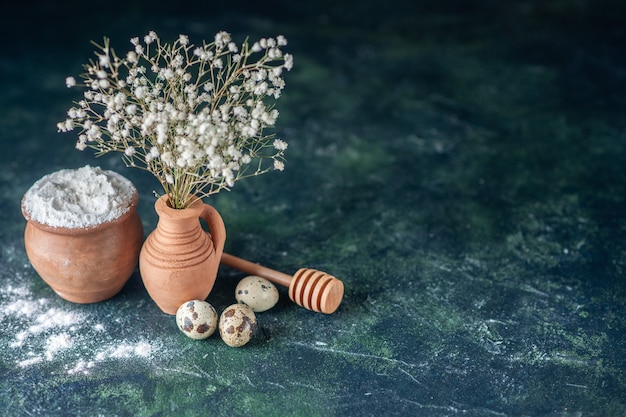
pixel 197 319
pixel 237 325
pixel 257 293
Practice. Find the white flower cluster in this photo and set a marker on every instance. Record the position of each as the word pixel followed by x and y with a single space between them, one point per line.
pixel 192 115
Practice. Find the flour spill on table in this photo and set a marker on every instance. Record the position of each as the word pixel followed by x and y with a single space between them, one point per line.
pixel 44 333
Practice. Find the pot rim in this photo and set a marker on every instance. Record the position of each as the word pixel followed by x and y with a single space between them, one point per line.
pixel 161 206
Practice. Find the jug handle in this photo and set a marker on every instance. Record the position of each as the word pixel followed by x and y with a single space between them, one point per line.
pixel 216 228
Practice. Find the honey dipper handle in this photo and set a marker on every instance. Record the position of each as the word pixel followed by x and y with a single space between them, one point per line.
pixel 256 269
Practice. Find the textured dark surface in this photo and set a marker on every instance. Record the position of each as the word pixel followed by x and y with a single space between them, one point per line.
pixel 459 165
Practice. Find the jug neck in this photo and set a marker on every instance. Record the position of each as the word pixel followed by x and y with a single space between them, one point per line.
pixel 178 221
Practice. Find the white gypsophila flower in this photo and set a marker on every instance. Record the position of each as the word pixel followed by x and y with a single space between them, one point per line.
pixel 150 37
pixel 280 144
pixel 168 158
pixel 274 53
pixel 104 60
pixel 131 57
pixel 221 39
pixel 65 126
pixel 279 165
pixel 194 116
pixel 288 62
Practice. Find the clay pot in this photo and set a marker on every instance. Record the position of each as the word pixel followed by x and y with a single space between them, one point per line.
pixel 86 265
pixel 179 260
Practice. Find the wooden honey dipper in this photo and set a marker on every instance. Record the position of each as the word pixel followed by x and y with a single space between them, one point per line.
pixel 312 289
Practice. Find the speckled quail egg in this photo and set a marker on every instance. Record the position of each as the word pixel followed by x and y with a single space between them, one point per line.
pixel 257 293
pixel 237 325
pixel 196 319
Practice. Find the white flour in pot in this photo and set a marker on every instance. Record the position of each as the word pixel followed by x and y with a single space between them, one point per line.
pixel 78 198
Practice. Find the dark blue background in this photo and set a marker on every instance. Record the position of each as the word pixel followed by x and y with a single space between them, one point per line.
pixel 458 164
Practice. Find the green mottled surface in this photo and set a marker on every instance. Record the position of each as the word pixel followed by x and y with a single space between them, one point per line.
pixel 459 165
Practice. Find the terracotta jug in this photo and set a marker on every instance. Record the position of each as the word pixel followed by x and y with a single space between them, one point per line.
pixel 89 264
pixel 179 260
